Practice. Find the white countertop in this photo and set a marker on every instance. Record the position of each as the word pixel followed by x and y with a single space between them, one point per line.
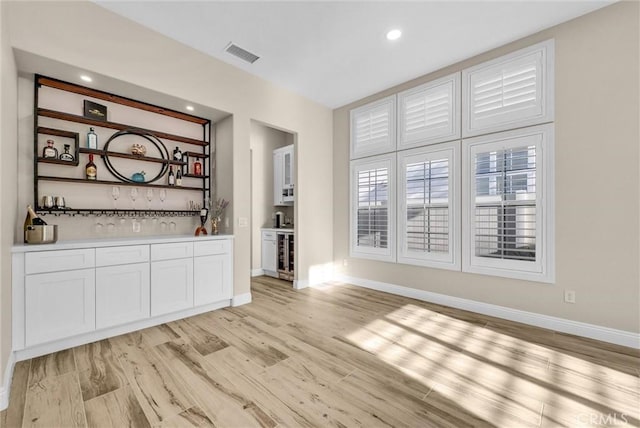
pixel 278 229
pixel 113 242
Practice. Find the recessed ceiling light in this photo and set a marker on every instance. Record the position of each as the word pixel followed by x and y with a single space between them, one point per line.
pixel 190 108
pixel 86 78
pixel 394 34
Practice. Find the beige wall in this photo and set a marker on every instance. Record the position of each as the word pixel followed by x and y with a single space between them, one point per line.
pixel 597 181
pixel 84 35
pixel 264 140
pixel 8 173
pixel 224 170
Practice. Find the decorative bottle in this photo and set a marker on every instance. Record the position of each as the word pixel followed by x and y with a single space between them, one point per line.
pixel 172 177
pixel 178 177
pixel 91 170
pixel 177 154
pixel 92 139
pixel 66 156
pixel 197 167
pixel 49 151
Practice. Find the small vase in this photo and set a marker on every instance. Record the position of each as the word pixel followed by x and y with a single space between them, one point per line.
pixel 215 222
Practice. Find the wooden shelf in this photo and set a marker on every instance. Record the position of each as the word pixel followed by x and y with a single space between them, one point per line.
pixel 113 125
pixel 58 161
pixel 195 176
pixel 196 155
pixel 129 156
pixel 115 183
pixel 83 90
pixel 57 132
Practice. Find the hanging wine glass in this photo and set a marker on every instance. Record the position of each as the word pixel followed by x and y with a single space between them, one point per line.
pixel 163 196
pixel 149 197
pixel 134 195
pixel 115 194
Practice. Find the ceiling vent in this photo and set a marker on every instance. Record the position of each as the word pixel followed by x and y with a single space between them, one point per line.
pixel 244 55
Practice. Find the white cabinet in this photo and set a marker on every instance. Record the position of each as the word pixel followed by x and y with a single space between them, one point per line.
pixel 283 175
pixel 171 285
pixel 86 291
pixel 269 253
pixel 212 272
pixel 58 305
pixel 122 294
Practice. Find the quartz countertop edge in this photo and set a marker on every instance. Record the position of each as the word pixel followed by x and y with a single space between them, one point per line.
pixel 278 229
pixel 114 242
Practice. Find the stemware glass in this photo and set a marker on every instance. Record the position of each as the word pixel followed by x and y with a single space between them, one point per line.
pixel 115 194
pixel 134 195
pixel 163 195
pixel 149 195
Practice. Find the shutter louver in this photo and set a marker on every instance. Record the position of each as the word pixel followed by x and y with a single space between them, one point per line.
pixel 373 208
pixel 429 113
pixel 505 204
pixel 510 92
pixel 373 128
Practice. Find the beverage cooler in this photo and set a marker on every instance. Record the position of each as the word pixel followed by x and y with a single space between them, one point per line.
pixel 286 256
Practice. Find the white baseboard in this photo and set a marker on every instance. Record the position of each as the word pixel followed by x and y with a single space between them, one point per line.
pixel 241 299
pixel 300 284
pixel 605 334
pixel 5 389
pixel 256 272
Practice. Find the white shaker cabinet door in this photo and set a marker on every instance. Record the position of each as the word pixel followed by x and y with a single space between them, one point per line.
pixel 59 305
pixel 269 253
pixel 171 286
pixel 122 294
pixel 212 276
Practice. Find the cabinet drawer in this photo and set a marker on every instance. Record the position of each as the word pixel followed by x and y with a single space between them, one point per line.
pixel 60 260
pixel 210 248
pixel 268 235
pixel 177 250
pixel 111 256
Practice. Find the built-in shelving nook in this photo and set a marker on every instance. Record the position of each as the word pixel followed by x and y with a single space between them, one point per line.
pixel 128 182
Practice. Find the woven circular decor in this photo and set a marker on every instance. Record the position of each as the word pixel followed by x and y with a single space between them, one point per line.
pixel 164 153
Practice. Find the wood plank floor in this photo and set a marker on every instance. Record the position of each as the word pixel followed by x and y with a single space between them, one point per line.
pixel 335 356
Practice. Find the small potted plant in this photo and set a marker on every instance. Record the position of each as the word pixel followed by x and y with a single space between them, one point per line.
pixel 217 210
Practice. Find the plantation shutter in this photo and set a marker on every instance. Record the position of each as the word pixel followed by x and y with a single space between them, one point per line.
pixel 512 91
pixel 429 113
pixel 372 207
pixel 373 128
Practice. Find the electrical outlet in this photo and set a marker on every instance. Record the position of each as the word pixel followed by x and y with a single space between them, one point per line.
pixel 243 222
pixel 569 296
pixel 345 262
pixel 226 222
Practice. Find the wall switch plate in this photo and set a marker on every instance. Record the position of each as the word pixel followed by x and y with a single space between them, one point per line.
pixel 226 222
pixel 345 262
pixel 569 296
pixel 243 222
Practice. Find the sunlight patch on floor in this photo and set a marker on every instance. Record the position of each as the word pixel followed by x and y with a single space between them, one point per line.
pixel 498 377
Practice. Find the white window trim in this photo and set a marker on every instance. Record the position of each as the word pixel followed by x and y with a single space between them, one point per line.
pixel 546 50
pixel 387 146
pixel 545 201
pixel 450 261
pixel 382 254
pixel 452 80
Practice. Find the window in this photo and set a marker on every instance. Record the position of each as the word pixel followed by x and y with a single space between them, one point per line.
pixel 373 207
pixel 429 113
pixel 512 91
pixel 373 128
pixel 508 212
pixel 428 215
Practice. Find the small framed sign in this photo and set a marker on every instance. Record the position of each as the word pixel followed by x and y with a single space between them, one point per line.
pixel 94 110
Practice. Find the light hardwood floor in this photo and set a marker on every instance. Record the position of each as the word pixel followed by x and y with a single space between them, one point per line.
pixel 336 356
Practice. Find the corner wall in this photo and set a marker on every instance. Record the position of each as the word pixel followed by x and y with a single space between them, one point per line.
pixel 597 181
pixel 8 195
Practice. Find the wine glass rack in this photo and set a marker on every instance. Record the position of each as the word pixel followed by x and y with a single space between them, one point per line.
pixel 201 150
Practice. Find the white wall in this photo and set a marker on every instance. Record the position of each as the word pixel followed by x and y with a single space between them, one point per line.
pixel 264 140
pixel 8 190
pixel 84 35
pixel 597 181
